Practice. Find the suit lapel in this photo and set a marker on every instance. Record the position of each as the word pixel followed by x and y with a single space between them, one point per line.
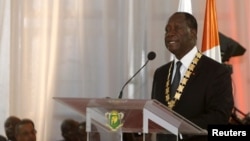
pixel 195 74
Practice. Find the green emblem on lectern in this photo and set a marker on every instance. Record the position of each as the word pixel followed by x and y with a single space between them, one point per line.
pixel 114 119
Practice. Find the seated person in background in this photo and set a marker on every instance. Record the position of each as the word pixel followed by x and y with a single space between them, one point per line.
pixel 9 127
pixel 2 138
pixel 25 130
pixel 94 136
pixel 69 130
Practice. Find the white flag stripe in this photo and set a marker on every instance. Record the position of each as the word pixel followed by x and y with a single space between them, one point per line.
pixel 185 6
pixel 213 53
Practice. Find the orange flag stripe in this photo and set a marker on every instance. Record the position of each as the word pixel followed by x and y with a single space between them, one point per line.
pixel 210 32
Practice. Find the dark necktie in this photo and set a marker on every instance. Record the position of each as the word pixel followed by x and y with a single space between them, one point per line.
pixel 176 80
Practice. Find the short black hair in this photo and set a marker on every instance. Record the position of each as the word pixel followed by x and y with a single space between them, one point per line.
pixel 191 20
pixel 69 124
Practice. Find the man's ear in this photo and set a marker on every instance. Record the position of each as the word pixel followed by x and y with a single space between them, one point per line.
pixel 193 33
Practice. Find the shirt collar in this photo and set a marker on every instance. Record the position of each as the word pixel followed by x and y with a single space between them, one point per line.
pixel 187 59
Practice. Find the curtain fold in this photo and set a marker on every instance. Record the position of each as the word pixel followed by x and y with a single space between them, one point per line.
pixel 4 61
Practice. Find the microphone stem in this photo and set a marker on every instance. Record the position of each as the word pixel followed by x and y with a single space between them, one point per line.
pixel 121 92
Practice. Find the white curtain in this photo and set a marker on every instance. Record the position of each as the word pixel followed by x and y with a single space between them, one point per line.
pixel 4 61
pixel 90 48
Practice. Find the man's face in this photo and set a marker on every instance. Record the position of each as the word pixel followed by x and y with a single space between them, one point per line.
pixel 179 38
pixel 26 132
pixel 72 135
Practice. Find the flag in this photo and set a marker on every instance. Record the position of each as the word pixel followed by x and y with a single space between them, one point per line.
pixel 210 41
pixel 184 6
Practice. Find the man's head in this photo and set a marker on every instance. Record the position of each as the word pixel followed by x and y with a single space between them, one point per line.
pixel 25 130
pixel 181 33
pixel 94 135
pixel 9 127
pixel 69 130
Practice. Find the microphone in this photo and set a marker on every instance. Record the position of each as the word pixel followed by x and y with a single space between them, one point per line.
pixel 151 56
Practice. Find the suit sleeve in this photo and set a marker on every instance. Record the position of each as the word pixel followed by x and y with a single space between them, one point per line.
pixel 218 100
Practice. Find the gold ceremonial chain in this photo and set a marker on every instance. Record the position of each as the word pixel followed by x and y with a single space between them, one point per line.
pixel 171 102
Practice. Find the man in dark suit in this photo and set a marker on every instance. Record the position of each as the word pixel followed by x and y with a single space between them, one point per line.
pixel 204 92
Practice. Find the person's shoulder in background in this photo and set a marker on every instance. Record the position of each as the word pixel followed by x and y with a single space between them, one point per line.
pixel 2 138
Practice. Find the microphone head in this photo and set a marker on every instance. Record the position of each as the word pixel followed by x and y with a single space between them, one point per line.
pixel 151 55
